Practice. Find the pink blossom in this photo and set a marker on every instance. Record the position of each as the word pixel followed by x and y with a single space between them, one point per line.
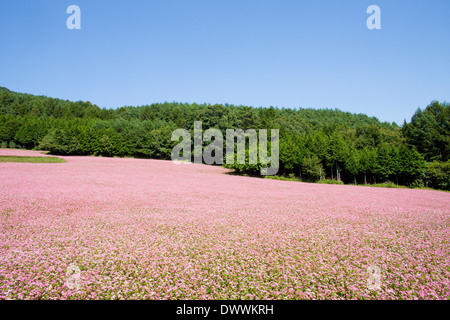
pixel 150 229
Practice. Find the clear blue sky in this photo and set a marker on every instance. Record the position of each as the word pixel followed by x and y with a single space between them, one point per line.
pixel 291 54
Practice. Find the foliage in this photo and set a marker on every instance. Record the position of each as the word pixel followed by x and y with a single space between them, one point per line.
pixel 437 175
pixel 314 144
pixel 329 181
pixel 312 168
pixel 429 131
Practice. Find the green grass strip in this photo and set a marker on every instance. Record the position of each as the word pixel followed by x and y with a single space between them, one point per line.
pixel 31 159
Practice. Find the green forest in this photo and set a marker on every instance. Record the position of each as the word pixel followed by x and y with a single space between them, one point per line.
pixel 322 145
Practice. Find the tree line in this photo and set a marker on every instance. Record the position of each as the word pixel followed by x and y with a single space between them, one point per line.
pixel 324 144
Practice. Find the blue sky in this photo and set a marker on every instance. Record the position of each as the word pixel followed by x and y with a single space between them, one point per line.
pixel 291 54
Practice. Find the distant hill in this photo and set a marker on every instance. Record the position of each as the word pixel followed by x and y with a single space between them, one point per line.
pixel 45 106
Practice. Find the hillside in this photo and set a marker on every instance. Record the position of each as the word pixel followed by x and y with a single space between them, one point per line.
pixel 314 144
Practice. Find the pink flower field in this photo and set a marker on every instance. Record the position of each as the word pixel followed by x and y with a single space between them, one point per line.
pixel 149 229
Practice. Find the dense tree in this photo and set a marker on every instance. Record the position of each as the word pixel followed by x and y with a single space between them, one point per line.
pixel 8 129
pixel 291 152
pixel 387 165
pixel 337 153
pixel 437 175
pixel 312 168
pixel 61 141
pixel 353 148
pixel 429 131
pixel 353 163
pixel 411 165
pixel 368 161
